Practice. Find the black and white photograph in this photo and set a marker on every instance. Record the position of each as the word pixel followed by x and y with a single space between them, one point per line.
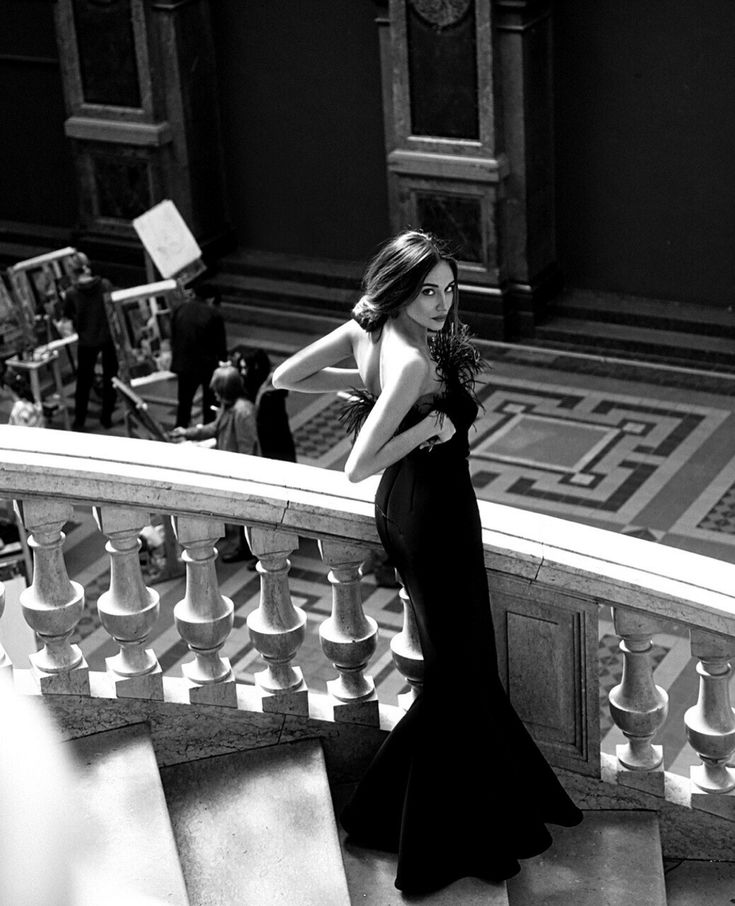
pixel 367 452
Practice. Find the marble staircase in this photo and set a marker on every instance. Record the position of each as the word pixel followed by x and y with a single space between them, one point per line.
pixel 258 827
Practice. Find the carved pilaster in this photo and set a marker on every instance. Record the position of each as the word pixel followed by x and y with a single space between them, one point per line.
pixel 349 637
pixel 710 724
pixel 524 69
pixel 204 617
pixel 53 604
pixel 407 656
pixel 129 609
pixel 277 628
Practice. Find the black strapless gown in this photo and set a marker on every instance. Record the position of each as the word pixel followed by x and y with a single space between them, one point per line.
pixel 459 788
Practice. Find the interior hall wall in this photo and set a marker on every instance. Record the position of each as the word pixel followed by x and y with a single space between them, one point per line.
pixel 645 147
pixel 301 108
pixel 37 182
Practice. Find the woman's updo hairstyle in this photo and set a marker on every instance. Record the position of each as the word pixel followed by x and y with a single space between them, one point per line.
pixel 394 276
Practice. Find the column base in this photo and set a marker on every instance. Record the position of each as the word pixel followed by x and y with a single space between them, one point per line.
pixel 650 781
pixel 287 701
pixel 362 711
pixel 149 686
pixel 72 682
pixel 716 803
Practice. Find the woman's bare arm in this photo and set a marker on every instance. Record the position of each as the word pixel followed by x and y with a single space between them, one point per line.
pixel 312 369
pixel 377 445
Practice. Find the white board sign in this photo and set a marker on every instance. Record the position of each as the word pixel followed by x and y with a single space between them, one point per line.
pixel 167 238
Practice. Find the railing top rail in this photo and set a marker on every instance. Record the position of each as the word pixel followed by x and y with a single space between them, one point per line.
pixel 185 479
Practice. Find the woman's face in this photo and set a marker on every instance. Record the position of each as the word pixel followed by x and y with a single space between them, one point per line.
pixel 434 299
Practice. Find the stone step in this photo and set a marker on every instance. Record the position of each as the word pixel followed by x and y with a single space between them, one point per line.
pixel 121 800
pixel 623 340
pixel 612 857
pixel 284 291
pixel 641 312
pixel 322 271
pixel 371 875
pixel 257 827
pixel 700 883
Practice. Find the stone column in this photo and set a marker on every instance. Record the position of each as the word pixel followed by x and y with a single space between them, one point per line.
pixel 53 604
pixel 277 628
pixel 407 656
pixel 637 705
pixel 710 724
pixel 349 637
pixel 204 617
pixel 129 610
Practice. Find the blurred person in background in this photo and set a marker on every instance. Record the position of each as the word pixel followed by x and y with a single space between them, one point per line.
pixel 234 430
pixel 84 305
pixel 274 433
pixel 198 345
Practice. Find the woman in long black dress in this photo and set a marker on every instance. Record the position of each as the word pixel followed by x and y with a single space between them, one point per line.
pixel 459 787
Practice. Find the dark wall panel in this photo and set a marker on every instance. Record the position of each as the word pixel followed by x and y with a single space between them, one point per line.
pixel 645 147
pixel 36 170
pixel 302 122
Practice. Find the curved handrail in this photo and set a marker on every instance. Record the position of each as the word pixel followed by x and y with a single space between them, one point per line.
pixel 661 581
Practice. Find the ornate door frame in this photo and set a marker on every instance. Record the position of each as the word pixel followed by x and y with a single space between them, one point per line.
pixel 478 169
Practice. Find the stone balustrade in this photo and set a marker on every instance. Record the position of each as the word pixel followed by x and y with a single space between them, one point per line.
pixel 547 579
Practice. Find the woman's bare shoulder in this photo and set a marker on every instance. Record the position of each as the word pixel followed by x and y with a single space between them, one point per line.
pixel 400 360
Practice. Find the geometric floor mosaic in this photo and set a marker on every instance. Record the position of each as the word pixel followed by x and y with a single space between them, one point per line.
pixel 579 454
pixel 569 450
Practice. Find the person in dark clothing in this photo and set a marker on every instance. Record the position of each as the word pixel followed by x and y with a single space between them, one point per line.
pixel 84 305
pixel 198 345
pixel 274 432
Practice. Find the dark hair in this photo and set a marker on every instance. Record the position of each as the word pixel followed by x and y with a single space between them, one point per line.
pixel 227 384
pixel 208 292
pixel 255 366
pixel 394 276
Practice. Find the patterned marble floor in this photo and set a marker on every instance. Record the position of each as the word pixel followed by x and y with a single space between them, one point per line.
pixel 646 451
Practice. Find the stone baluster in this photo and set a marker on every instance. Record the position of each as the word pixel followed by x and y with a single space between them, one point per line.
pixel 53 604
pixel 407 656
pixel 637 705
pixel 349 637
pixel 6 668
pixel 204 617
pixel 277 628
pixel 129 609
pixel 710 724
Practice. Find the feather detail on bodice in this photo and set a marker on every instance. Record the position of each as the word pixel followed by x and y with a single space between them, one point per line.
pixel 458 361
pixel 355 410
pixel 458 364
